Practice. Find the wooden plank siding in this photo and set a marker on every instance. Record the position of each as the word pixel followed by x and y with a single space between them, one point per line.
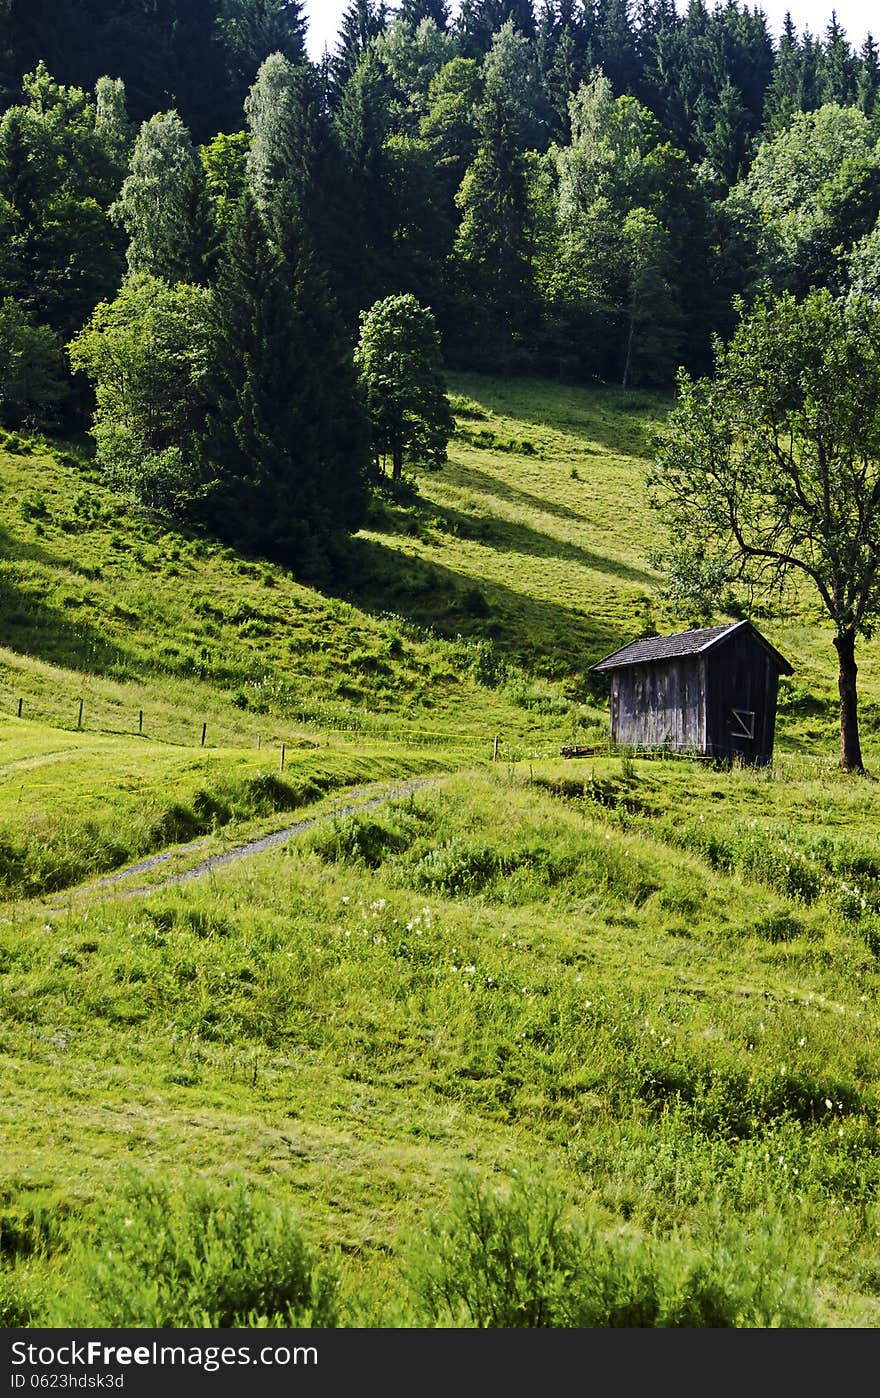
pixel 742 690
pixel 710 692
pixel 660 705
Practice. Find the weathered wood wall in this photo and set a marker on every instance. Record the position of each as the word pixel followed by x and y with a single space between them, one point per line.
pixel 660 704
pixel 741 701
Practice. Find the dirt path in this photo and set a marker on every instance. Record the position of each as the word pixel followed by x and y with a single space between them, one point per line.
pixel 231 856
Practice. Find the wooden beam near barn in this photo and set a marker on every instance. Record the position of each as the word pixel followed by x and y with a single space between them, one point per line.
pixel 710 693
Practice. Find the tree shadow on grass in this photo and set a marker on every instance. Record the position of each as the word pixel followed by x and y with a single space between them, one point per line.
pixel 29 626
pixel 470 478
pixel 510 536
pixel 544 636
pixel 609 416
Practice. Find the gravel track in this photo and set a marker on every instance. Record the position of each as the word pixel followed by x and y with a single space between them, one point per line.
pixel 231 856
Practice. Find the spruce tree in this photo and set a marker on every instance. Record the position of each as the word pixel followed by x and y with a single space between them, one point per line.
pixel 285 440
pixel 617 53
pixel 868 84
pixel 493 246
pixel 839 68
pixel 361 22
pixel 414 11
pixel 480 20
pixel 254 29
pixel 295 144
pixel 783 96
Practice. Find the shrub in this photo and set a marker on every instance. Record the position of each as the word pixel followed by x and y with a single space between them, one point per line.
pixel 205 1257
pixel 522 1258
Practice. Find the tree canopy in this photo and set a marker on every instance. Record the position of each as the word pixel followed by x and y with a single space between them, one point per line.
pixel 398 360
pixel 769 472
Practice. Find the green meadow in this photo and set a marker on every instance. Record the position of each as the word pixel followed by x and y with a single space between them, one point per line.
pixel 536 1042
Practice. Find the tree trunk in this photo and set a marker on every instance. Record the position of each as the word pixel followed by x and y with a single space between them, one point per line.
pixel 624 382
pixel 850 747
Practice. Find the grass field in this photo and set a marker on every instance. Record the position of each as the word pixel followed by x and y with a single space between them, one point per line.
pixel 543 1043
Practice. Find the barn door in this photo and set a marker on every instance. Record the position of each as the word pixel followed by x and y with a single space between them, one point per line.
pixel 743 724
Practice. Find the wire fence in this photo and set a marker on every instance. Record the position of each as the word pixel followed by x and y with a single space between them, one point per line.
pixel 490 745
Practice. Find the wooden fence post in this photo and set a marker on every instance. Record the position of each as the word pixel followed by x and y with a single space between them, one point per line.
pixel 140 720
pixel 282 758
pixel 495 750
pixel 204 731
pixel 79 717
pixel 20 702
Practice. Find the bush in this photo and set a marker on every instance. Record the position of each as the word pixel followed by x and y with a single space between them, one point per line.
pixel 206 1257
pixel 521 1258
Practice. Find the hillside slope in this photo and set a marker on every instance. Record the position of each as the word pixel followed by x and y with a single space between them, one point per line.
pixel 471 606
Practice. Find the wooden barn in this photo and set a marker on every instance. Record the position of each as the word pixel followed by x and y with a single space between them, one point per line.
pixel 711 692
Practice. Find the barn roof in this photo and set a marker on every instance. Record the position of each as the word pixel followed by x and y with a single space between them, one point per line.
pixel 686 643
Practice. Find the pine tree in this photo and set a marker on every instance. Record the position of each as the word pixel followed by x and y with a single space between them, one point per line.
pixel 295 145
pixel 810 73
pixel 254 29
pixel 564 55
pixel 617 54
pixel 728 141
pixel 362 22
pixel 286 439
pixel 838 67
pixel 363 123
pixel 480 20
pixel 868 84
pixel 493 246
pixel 783 97
pixel 414 11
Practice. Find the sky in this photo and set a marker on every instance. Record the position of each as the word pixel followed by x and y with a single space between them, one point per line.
pixel 856 17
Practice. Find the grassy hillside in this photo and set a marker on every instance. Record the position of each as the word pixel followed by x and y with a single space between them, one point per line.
pixel 582 1043
pixel 501 979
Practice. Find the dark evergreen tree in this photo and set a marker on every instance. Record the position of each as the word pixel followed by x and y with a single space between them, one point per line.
pixel 868 83
pixel 564 50
pixel 295 143
pixel 286 439
pixel 252 29
pixel 839 67
pixel 728 140
pixel 414 11
pixel 480 20
pixel 616 53
pixel 168 52
pixel 784 92
pixel 494 242
pixel 361 22
pixel 363 122
pixel 810 74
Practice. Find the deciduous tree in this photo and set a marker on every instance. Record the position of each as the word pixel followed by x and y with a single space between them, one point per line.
pixel 399 362
pixel 148 354
pixel 770 470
